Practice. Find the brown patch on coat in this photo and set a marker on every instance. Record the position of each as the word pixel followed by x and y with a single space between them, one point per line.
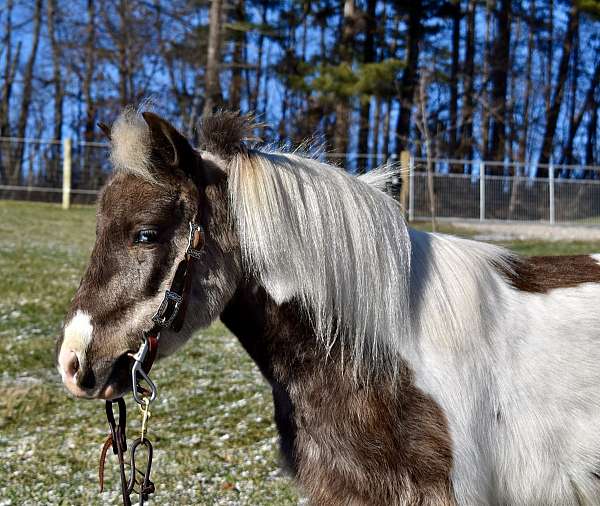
pixel 544 273
pixel 355 443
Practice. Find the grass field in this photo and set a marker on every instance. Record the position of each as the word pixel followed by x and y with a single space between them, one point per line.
pixel 214 438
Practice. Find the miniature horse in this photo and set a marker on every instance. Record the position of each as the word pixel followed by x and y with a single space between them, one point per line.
pixel 407 368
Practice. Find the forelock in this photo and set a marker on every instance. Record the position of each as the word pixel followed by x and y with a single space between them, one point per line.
pixel 226 133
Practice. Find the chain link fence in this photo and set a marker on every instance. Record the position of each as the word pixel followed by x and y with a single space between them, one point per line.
pixel 73 173
pixel 494 191
pixel 52 171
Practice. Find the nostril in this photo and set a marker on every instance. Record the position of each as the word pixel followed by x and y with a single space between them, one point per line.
pixel 73 366
pixel 69 363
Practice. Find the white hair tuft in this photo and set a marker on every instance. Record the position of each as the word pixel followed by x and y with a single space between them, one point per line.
pixel 131 145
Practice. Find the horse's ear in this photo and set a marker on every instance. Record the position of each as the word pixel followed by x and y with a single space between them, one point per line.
pixel 172 147
pixel 175 150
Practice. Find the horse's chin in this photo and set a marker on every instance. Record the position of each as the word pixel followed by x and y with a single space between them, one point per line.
pixel 118 382
pixel 112 391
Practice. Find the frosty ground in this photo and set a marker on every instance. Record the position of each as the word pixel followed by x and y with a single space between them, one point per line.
pixel 212 425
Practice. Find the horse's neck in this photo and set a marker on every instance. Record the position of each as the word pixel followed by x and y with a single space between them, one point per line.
pixel 245 316
pixel 274 335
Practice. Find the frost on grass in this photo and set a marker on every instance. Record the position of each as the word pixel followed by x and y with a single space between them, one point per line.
pixel 212 426
pixel 216 447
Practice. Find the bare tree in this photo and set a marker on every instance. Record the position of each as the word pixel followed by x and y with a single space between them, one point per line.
pixel 342 109
pixel 238 42
pixel 409 80
pixel 454 66
pixel 557 96
pixel 17 172
pixel 57 79
pixel 499 79
pixel 212 82
pixel 368 56
pixel 423 127
pixel 466 126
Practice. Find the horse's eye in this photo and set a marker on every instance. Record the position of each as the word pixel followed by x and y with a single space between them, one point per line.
pixel 146 236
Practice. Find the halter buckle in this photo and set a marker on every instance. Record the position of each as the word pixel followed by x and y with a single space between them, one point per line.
pixel 169 307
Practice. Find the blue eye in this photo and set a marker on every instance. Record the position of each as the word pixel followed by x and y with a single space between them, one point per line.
pixel 146 236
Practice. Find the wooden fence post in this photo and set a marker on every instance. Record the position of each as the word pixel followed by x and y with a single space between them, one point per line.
pixel 411 188
pixel 482 190
pixel 66 193
pixel 551 204
pixel 405 178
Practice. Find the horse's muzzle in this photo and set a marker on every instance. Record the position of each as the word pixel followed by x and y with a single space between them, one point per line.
pixel 84 381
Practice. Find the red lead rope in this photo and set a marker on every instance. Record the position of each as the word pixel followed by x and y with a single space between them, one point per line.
pixel 152 352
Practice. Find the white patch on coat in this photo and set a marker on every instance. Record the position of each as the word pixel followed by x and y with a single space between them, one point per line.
pixel 596 257
pixel 517 375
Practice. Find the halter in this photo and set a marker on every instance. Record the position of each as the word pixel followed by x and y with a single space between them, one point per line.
pixel 170 315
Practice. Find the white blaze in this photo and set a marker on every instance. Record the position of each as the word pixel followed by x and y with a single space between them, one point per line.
pixel 78 336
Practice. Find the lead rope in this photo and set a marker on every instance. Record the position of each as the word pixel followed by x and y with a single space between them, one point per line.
pixel 170 314
pixel 117 437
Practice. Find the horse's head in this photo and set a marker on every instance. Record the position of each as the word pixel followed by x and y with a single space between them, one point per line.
pixel 159 186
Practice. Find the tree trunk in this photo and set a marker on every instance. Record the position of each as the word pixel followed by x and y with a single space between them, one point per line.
pixel 522 154
pixel 342 109
pixel 423 125
pixel 409 79
pixel 549 56
pixel 374 153
pixel 88 76
pixel 499 78
pixel 9 73
pixel 557 97
pixel 212 81
pixel 254 94
pixel 466 126
pixel 52 172
pixel 453 126
pixel 485 93
pixel 8 77
pixel 522 143
pixel 592 137
pixel 365 103
pixel 26 92
pixel 235 87
pixel 513 136
pixel 123 64
pixel 588 105
pixel 56 70
pixel 385 151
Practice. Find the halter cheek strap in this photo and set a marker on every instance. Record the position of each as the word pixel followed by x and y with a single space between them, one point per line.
pixel 170 313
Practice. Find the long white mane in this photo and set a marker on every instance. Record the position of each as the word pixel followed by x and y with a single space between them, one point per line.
pixel 335 242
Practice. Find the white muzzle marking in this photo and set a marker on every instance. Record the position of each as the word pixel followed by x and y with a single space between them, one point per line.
pixel 77 338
